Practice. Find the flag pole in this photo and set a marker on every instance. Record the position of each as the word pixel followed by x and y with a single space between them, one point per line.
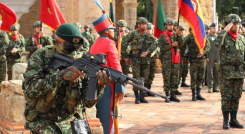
pixel 41 25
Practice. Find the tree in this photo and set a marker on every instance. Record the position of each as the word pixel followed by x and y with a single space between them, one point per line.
pixel 149 9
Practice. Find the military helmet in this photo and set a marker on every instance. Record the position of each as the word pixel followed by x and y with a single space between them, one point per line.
pixel 36 24
pixel 91 29
pixel 149 26
pixel 126 30
pixel 232 18
pixel 121 23
pixel 175 22
pixel 77 24
pixel 207 26
pixel 220 25
pixel 14 27
pixel 182 28
pixel 240 25
pixel 142 20
pixel 86 26
pixel 129 28
pixel 168 21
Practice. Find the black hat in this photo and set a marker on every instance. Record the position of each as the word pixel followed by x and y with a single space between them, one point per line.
pixel 213 25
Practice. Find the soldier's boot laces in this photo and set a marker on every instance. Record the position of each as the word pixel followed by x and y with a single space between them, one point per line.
pixel 183 84
pixel 167 94
pixel 233 122
pixel 177 92
pixel 193 94
pixel 226 124
pixel 137 98
pixel 173 97
pixel 199 97
pixel 150 94
pixel 142 98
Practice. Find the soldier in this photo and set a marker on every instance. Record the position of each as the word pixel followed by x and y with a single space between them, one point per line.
pixel 176 25
pixel 129 29
pixel 168 43
pixel 4 41
pixel 232 51
pixel 91 32
pixel 219 28
pixel 15 48
pixel 197 65
pixel 212 58
pixel 38 39
pixel 207 29
pixel 40 84
pixel 184 65
pixel 122 24
pixel 86 34
pixel 142 44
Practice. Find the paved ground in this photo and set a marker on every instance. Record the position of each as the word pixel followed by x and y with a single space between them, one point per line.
pixel 158 117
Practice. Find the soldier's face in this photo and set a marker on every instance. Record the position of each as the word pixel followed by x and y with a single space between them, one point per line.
pixel 219 28
pixel 143 26
pixel 170 28
pixel 150 31
pixel 37 29
pixel 14 32
pixel 213 30
pixel 182 31
pixel 207 31
pixel 175 27
pixel 86 29
pixel 122 29
pixel 235 27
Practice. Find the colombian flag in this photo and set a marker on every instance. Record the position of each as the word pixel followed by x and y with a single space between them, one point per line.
pixel 8 17
pixel 191 11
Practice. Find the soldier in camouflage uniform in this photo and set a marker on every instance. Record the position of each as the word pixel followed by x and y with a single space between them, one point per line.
pixel 232 52
pixel 197 65
pixel 207 29
pixel 170 71
pixel 141 44
pixel 91 32
pixel 51 117
pixel 15 48
pixel 183 63
pixel 122 24
pixel 87 35
pixel 33 42
pixel 129 29
pixel 4 41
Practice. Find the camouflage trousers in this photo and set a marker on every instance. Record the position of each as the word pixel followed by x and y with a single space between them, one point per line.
pixel 152 73
pixel 197 72
pixel 10 65
pixel 125 67
pixel 183 70
pixel 170 73
pixel 140 69
pixel 2 71
pixel 231 92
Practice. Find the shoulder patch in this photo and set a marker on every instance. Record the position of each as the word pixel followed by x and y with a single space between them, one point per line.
pixel 49 51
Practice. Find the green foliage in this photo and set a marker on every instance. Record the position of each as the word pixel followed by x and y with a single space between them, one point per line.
pixel 141 9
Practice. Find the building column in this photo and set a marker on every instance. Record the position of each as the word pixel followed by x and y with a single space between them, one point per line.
pixel 130 13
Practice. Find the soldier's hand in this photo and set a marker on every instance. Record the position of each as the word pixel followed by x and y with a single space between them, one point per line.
pixel 207 60
pixel 200 54
pixel 71 73
pixel 120 96
pixel 103 79
pixel 228 27
pixel 153 54
pixel 127 61
pixel 144 54
pixel 41 33
pixel 14 50
pixel 39 46
pixel 175 44
pixel 178 32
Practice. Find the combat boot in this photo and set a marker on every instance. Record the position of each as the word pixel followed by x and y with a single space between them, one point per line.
pixel 167 94
pixel 210 90
pixel 177 92
pixel 142 98
pixel 137 98
pixel 150 94
pixel 226 124
pixel 173 97
pixel 216 90
pixel 199 97
pixel 193 94
pixel 183 84
pixel 233 122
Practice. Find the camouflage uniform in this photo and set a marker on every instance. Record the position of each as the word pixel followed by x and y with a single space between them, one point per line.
pixel 90 30
pixel 40 82
pixel 140 66
pixel 197 65
pixel 170 71
pixel 87 35
pixel 30 41
pixel 4 41
pixel 14 57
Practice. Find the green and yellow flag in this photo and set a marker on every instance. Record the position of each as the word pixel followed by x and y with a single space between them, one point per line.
pixel 111 14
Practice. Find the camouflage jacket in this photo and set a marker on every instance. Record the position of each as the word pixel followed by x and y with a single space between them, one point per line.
pixel 165 47
pixel 155 51
pixel 192 47
pixel 20 47
pixel 231 54
pixel 89 37
pixel 31 45
pixel 134 42
pixel 84 49
pixel 40 81
pixel 183 49
pixel 4 42
pixel 115 39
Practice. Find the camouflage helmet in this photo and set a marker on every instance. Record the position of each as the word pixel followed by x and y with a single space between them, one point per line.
pixel 168 21
pixel 207 26
pixel 182 28
pixel 36 24
pixel 77 24
pixel 232 18
pixel 240 26
pixel 149 26
pixel 14 27
pixel 121 23
pixel 91 29
pixel 129 28
pixel 126 30
pixel 86 26
pixel 142 20
pixel 175 22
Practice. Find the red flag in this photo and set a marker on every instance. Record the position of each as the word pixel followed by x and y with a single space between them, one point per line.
pixel 160 18
pixel 50 14
pixel 8 17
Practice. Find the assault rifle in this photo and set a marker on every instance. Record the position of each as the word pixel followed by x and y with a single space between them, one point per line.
pixel 91 64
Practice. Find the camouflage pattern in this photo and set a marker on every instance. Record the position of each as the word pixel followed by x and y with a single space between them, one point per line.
pixel 31 45
pixel 84 49
pixel 86 26
pixel 89 37
pixel 4 41
pixel 232 18
pixel 14 27
pixel 231 83
pixel 134 43
pixel 207 26
pixel 170 71
pixel 37 23
pixel 168 21
pixel 182 28
pixel 184 68
pixel 197 66
pixel 14 58
pixel 121 23
pixel 65 105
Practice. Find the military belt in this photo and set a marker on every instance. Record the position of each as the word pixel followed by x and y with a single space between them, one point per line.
pixel 232 68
